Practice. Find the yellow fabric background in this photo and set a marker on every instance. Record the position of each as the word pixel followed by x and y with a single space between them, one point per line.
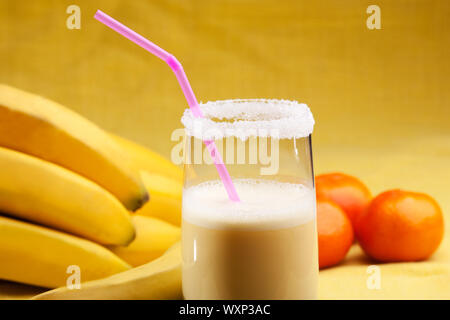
pixel 380 97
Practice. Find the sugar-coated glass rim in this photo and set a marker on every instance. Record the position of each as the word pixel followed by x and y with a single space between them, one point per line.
pixel 244 118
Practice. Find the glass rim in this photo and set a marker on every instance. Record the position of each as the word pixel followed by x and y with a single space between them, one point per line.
pixel 244 118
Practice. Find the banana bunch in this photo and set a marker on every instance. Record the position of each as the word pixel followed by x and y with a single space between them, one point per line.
pixel 72 194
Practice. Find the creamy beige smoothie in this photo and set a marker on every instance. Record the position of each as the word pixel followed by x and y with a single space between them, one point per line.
pixel 264 247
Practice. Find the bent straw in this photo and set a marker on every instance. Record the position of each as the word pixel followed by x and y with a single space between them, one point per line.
pixel 177 68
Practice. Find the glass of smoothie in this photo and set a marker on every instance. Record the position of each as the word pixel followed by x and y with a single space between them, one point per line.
pixel 265 245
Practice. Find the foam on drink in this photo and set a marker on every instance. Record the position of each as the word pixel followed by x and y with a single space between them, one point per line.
pixel 265 204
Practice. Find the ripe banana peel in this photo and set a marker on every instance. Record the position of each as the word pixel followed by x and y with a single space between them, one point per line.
pixel 149 161
pixel 166 198
pixel 159 279
pixel 153 238
pixel 42 192
pixel 40 256
pixel 47 130
pixel 163 180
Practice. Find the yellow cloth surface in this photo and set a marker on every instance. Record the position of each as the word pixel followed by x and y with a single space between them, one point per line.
pixel 380 97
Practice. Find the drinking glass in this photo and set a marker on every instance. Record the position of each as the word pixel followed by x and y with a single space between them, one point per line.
pixel 265 245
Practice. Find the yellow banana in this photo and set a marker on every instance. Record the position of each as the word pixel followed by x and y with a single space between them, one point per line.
pixel 159 279
pixel 39 256
pixel 40 191
pixel 166 198
pixel 150 161
pixel 153 238
pixel 162 179
pixel 47 130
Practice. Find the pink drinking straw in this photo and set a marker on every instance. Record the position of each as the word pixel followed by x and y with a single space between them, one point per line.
pixel 177 68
